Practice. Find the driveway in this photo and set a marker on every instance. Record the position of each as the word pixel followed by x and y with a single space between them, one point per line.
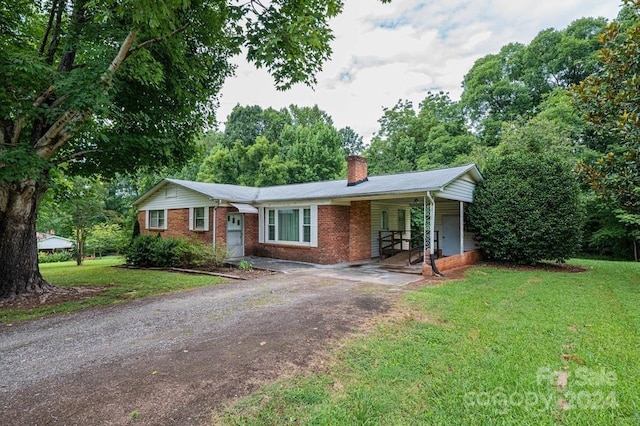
pixel 171 359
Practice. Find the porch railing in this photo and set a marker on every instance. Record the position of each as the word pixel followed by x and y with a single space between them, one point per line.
pixel 391 243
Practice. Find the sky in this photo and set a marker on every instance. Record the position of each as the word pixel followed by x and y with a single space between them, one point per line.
pixel 386 52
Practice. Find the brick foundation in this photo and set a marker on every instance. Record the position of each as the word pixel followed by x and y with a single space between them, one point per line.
pixel 451 262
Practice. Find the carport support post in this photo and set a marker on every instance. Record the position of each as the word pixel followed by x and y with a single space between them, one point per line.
pixel 461 227
pixel 424 229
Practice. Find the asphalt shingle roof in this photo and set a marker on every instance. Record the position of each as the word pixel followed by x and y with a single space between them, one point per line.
pixel 431 180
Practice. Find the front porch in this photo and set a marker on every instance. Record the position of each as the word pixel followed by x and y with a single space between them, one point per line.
pixel 436 243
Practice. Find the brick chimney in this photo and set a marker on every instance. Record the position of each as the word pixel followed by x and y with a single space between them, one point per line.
pixel 356 170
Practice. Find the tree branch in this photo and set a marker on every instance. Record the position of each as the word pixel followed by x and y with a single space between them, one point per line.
pixel 123 53
pixel 45 37
pixel 76 155
pixel 157 39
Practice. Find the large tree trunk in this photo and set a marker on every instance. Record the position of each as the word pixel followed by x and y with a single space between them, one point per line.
pixel 19 272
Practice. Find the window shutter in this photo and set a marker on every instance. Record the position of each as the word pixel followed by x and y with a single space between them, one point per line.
pixel 166 221
pixel 190 218
pixel 314 225
pixel 206 218
pixel 146 219
pixel 261 224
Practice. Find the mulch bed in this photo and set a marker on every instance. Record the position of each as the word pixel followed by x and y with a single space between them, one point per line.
pixel 541 266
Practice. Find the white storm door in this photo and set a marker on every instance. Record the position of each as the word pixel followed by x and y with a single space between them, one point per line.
pixel 235 235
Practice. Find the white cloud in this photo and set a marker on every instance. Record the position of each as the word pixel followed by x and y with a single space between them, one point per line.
pixel 386 52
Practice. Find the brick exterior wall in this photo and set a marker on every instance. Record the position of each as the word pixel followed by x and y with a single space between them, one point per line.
pixel 178 226
pixel 333 240
pixel 344 233
pixel 450 262
pixel 250 234
pixel 360 231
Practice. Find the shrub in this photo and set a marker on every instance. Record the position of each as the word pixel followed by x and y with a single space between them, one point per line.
pixel 244 265
pixel 148 250
pixel 59 256
pixel 527 209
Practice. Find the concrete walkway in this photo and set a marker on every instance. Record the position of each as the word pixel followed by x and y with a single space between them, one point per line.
pixel 370 272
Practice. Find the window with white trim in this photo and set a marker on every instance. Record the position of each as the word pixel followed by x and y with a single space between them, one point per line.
pixel 289 225
pixel 199 221
pixel 156 219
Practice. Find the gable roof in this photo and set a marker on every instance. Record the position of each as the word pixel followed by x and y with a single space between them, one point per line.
pixel 412 182
pixel 51 242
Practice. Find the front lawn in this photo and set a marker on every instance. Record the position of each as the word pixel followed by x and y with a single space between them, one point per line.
pixel 500 347
pixel 118 284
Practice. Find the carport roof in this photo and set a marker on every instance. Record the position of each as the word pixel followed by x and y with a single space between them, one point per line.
pixel 402 183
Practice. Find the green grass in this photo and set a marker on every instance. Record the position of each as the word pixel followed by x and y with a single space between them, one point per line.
pixel 481 351
pixel 121 285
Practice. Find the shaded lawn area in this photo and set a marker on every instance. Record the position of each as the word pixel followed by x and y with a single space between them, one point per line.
pixel 500 347
pixel 117 285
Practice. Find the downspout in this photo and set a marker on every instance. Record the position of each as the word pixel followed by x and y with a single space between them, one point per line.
pixel 215 215
pixel 432 225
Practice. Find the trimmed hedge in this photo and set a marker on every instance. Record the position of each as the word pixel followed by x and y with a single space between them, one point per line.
pixel 527 210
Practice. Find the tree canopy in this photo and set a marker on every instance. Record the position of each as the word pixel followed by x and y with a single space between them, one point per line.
pixel 108 86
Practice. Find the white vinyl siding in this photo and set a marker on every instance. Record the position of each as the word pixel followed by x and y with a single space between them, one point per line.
pixel 452 208
pixel 184 198
pixel 289 225
pixel 461 190
pixel 199 218
pixel 392 211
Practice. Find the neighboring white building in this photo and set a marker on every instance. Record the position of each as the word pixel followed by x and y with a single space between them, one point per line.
pixel 51 243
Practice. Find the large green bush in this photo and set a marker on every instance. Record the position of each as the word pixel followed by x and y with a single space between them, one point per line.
pixel 149 250
pixel 527 209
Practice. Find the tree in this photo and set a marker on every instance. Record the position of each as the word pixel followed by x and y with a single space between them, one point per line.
pixel 509 85
pixel 527 209
pixel 434 136
pixel 83 201
pixel 108 86
pixel 307 148
pixel 351 141
pixel 609 101
pixel 104 238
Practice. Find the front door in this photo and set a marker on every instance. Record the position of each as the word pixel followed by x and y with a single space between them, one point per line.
pixel 450 235
pixel 235 235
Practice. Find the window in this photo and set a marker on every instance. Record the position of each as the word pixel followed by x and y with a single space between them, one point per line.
pixel 156 219
pixel 401 219
pixel 306 225
pixel 198 218
pixel 272 225
pixel 290 225
pixel 384 220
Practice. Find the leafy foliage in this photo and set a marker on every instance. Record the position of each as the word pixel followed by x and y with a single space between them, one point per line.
pixel 104 238
pixel 527 209
pixel 434 136
pixel 509 85
pixel 153 250
pixel 59 256
pixel 305 147
pixel 609 101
